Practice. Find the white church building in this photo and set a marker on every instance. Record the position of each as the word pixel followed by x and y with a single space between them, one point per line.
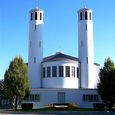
pixel 61 78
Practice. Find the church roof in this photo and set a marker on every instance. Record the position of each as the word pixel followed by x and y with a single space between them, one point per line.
pixel 59 56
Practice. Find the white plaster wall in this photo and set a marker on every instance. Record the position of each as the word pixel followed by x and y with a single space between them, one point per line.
pixel 91 68
pixel 50 96
pixel 86 53
pixel 35 51
pixel 60 82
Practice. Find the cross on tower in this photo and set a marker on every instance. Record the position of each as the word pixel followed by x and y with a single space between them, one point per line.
pixel 36 3
pixel 84 3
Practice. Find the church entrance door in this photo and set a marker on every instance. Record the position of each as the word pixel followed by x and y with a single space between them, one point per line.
pixel 61 97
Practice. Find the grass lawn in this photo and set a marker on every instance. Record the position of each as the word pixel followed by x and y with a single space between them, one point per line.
pixel 56 109
pixel 62 109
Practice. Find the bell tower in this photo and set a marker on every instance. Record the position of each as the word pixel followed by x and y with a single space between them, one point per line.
pixel 86 50
pixel 35 47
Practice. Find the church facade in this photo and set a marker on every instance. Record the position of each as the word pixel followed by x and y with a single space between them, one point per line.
pixel 61 78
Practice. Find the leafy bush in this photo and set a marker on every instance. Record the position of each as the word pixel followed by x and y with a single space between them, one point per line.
pixel 27 106
pixel 49 106
pixel 99 106
pixel 73 105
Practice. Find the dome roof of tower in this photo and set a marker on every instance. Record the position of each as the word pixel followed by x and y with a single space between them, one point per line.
pixel 35 9
pixel 84 9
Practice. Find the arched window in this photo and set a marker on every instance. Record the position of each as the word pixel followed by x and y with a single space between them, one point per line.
pixel 40 16
pixel 35 15
pixel 90 15
pixel 31 16
pixel 80 15
pixel 86 17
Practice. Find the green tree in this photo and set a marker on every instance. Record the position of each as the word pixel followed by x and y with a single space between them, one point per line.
pixel 106 85
pixel 1 91
pixel 16 83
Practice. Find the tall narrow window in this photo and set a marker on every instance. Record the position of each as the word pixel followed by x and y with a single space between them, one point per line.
pixel 77 72
pixel 31 16
pixel 90 98
pixel 81 43
pixel 90 15
pixel 73 71
pixel 48 71
pixel 87 60
pixel 34 59
pixel 81 16
pixel 39 44
pixel 84 97
pixel 96 98
pixel 40 16
pixel 86 16
pixel 35 15
pixel 67 69
pixel 54 71
pixel 60 71
pixel 37 97
pixel 44 72
pixel 35 27
pixel 32 97
pixel 86 27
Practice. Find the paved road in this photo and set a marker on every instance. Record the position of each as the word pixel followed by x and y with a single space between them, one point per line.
pixel 57 113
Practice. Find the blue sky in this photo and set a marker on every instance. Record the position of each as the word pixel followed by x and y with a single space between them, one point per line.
pixel 60 28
